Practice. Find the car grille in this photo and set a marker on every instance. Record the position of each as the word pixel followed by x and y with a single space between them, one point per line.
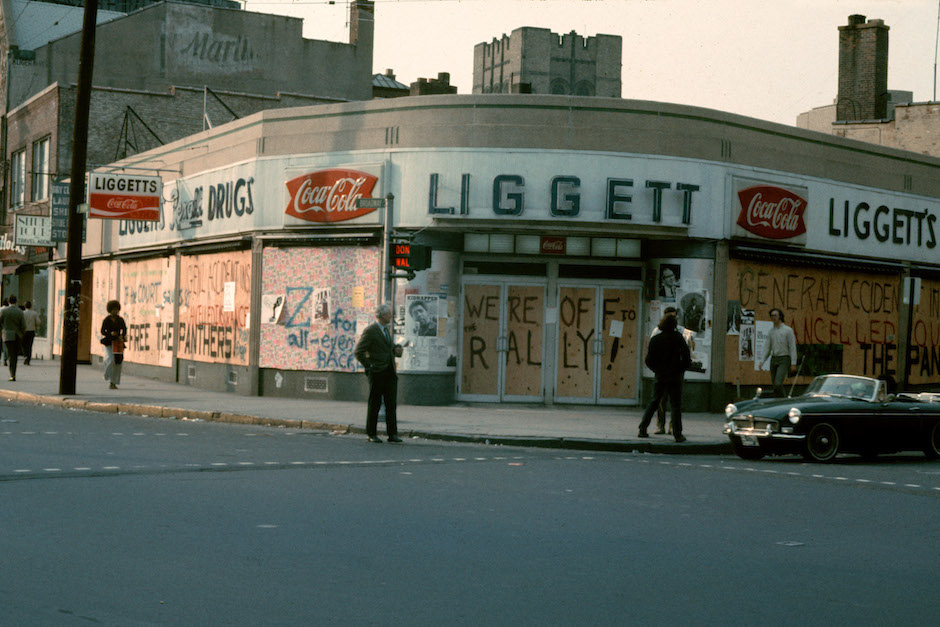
pixel 755 424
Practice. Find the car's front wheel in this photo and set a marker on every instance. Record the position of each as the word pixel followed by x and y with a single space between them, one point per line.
pixel 822 443
pixel 932 446
pixel 746 452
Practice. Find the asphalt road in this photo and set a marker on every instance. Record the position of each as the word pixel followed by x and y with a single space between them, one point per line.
pixel 120 520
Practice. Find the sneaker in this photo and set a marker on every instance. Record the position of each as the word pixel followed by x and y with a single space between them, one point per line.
pixel 659 432
pixel 642 434
pixel 680 438
pixel 12 378
pixel 112 386
pixel 394 438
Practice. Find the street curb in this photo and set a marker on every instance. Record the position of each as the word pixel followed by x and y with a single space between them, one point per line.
pixel 176 413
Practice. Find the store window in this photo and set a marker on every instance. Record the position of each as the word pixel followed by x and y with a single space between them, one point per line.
pixel 40 179
pixel 18 179
pixel 40 300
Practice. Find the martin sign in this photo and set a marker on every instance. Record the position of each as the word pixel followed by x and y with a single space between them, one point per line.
pixel 770 212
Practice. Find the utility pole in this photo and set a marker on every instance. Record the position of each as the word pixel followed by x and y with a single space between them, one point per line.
pixel 73 246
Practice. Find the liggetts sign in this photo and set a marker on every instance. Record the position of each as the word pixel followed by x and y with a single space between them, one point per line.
pixel 118 196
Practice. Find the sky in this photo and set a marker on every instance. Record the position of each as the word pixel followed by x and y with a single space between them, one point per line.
pixel 767 59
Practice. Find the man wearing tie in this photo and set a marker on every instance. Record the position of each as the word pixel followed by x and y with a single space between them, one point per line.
pixel 376 352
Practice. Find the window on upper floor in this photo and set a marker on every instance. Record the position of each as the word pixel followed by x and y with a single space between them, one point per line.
pixel 18 179
pixel 39 189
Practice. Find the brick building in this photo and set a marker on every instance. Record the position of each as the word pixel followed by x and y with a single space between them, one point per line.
pixel 165 71
pixel 865 109
pixel 538 61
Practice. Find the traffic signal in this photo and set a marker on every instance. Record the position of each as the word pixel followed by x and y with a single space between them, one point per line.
pixel 408 256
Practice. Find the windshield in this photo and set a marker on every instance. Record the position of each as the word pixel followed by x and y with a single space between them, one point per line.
pixel 842 385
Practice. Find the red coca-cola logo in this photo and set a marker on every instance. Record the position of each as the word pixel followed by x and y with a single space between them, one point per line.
pixel 329 195
pixel 772 212
pixel 553 245
pixel 123 204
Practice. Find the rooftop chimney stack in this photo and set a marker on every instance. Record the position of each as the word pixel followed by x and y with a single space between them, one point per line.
pixel 863 70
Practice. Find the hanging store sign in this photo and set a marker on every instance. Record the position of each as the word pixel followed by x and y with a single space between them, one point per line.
pixel 33 231
pixel 330 195
pixel 115 196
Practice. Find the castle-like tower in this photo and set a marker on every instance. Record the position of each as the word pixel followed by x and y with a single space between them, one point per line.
pixel 538 61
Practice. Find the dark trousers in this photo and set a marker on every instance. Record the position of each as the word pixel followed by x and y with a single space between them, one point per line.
pixel 28 338
pixel 779 369
pixel 383 388
pixel 13 353
pixel 661 389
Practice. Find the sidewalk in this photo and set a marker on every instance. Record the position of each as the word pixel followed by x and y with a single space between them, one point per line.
pixel 560 426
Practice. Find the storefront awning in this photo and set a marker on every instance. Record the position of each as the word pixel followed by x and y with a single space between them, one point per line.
pixel 809 258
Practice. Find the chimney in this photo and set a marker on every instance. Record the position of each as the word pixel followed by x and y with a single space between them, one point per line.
pixel 863 70
pixel 362 25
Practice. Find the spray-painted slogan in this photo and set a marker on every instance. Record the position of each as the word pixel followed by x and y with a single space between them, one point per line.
pixel 843 321
pixel 314 305
pixel 215 296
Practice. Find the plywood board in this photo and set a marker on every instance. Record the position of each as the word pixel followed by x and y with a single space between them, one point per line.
pixel 524 316
pixel 576 336
pixel 618 371
pixel 479 372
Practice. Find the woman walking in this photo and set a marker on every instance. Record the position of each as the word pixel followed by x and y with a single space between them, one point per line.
pixel 113 336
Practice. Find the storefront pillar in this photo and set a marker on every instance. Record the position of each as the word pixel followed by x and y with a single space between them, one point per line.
pixel 718 397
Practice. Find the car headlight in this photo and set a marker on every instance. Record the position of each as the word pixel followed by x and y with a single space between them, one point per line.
pixel 730 409
pixel 794 415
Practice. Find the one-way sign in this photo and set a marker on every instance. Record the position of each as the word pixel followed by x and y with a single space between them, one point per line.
pixel 370 203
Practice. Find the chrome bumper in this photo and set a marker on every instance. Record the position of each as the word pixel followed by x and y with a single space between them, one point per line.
pixel 762 434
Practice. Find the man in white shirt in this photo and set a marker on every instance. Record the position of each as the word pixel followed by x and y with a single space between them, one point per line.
pixel 31 318
pixel 690 340
pixel 781 350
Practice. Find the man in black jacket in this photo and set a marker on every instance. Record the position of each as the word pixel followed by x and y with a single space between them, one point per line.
pixel 668 357
pixel 376 352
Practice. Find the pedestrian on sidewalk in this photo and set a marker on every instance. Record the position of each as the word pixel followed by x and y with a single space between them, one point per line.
pixel 668 357
pixel 690 340
pixel 113 337
pixel 376 352
pixel 781 350
pixel 14 327
pixel 6 303
pixel 31 318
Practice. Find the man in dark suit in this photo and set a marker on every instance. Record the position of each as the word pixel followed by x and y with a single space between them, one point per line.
pixel 668 357
pixel 14 327
pixel 376 352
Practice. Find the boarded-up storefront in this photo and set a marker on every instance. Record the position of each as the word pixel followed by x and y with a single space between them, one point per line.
pixel 843 320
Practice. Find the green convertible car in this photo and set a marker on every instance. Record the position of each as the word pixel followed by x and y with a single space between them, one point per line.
pixel 837 413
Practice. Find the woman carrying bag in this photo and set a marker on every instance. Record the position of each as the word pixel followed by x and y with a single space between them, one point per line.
pixel 113 336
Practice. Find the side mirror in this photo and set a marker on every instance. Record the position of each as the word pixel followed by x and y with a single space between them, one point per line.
pixel 758 392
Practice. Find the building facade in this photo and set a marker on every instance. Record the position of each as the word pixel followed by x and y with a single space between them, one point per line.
pixel 537 61
pixel 166 71
pixel 561 228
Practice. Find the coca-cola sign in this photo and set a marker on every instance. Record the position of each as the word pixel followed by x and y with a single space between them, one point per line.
pixel 329 195
pixel 553 245
pixel 119 196
pixel 772 212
